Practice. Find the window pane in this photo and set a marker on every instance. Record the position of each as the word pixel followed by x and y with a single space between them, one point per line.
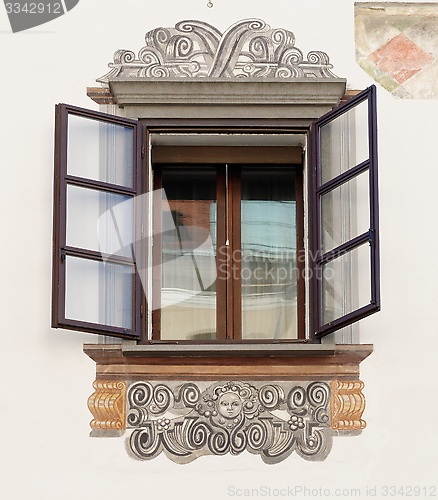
pixel 98 292
pixel 100 221
pixel 268 242
pixel 346 283
pixel 188 274
pixel 344 142
pixel 100 151
pixel 345 212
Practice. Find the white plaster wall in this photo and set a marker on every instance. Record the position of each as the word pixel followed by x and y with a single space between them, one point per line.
pixel 45 451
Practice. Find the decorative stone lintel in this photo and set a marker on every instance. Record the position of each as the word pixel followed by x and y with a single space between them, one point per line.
pixel 194 71
pixel 222 97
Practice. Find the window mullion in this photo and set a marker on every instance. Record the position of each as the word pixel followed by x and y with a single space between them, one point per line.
pixel 222 255
pixel 235 251
pixel 156 259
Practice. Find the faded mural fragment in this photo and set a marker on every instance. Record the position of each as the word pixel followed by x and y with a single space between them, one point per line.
pixel 397 45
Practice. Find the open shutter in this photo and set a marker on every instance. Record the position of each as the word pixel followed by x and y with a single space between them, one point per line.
pixel 345 214
pixel 97 167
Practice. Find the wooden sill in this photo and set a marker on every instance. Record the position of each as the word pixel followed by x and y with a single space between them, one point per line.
pixel 167 362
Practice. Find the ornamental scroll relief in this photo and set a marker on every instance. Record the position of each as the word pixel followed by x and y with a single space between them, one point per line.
pixel 189 420
pixel 249 48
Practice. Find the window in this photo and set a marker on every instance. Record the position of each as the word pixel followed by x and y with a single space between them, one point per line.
pixel 215 241
pixel 226 264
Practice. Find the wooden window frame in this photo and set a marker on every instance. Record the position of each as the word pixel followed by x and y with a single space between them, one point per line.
pixel 229 305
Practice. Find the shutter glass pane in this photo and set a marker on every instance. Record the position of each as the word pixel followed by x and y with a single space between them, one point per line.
pixel 346 283
pixel 100 151
pixel 345 212
pixel 98 292
pixel 99 221
pixel 344 142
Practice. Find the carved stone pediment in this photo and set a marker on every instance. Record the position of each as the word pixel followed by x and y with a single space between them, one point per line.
pixel 248 49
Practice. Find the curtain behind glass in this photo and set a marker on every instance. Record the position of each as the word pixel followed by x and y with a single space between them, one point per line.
pixel 268 243
pixel 188 264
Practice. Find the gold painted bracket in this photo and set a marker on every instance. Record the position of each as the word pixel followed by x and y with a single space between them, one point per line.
pixel 347 405
pixel 108 407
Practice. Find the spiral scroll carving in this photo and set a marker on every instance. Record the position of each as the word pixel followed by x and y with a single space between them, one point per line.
pixel 194 49
pixel 192 419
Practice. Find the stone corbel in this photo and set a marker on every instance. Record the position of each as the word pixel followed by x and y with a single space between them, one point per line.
pixel 347 405
pixel 108 407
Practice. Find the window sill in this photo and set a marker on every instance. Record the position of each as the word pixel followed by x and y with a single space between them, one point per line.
pixel 130 361
pixel 162 394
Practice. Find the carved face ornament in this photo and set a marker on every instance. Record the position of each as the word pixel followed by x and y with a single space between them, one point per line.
pixel 229 405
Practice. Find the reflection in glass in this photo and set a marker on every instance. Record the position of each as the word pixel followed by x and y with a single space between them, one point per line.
pixel 100 151
pixel 188 274
pixel 268 242
pixel 345 212
pixel 99 221
pixel 344 288
pixel 344 142
pixel 98 292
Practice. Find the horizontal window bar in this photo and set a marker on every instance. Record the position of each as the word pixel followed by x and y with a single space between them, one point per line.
pixel 343 178
pixel 346 247
pixel 97 115
pixel 346 320
pixel 93 255
pixel 100 186
pixel 99 328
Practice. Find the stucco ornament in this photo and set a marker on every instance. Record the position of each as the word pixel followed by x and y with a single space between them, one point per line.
pixel 249 48
pixel 193 419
